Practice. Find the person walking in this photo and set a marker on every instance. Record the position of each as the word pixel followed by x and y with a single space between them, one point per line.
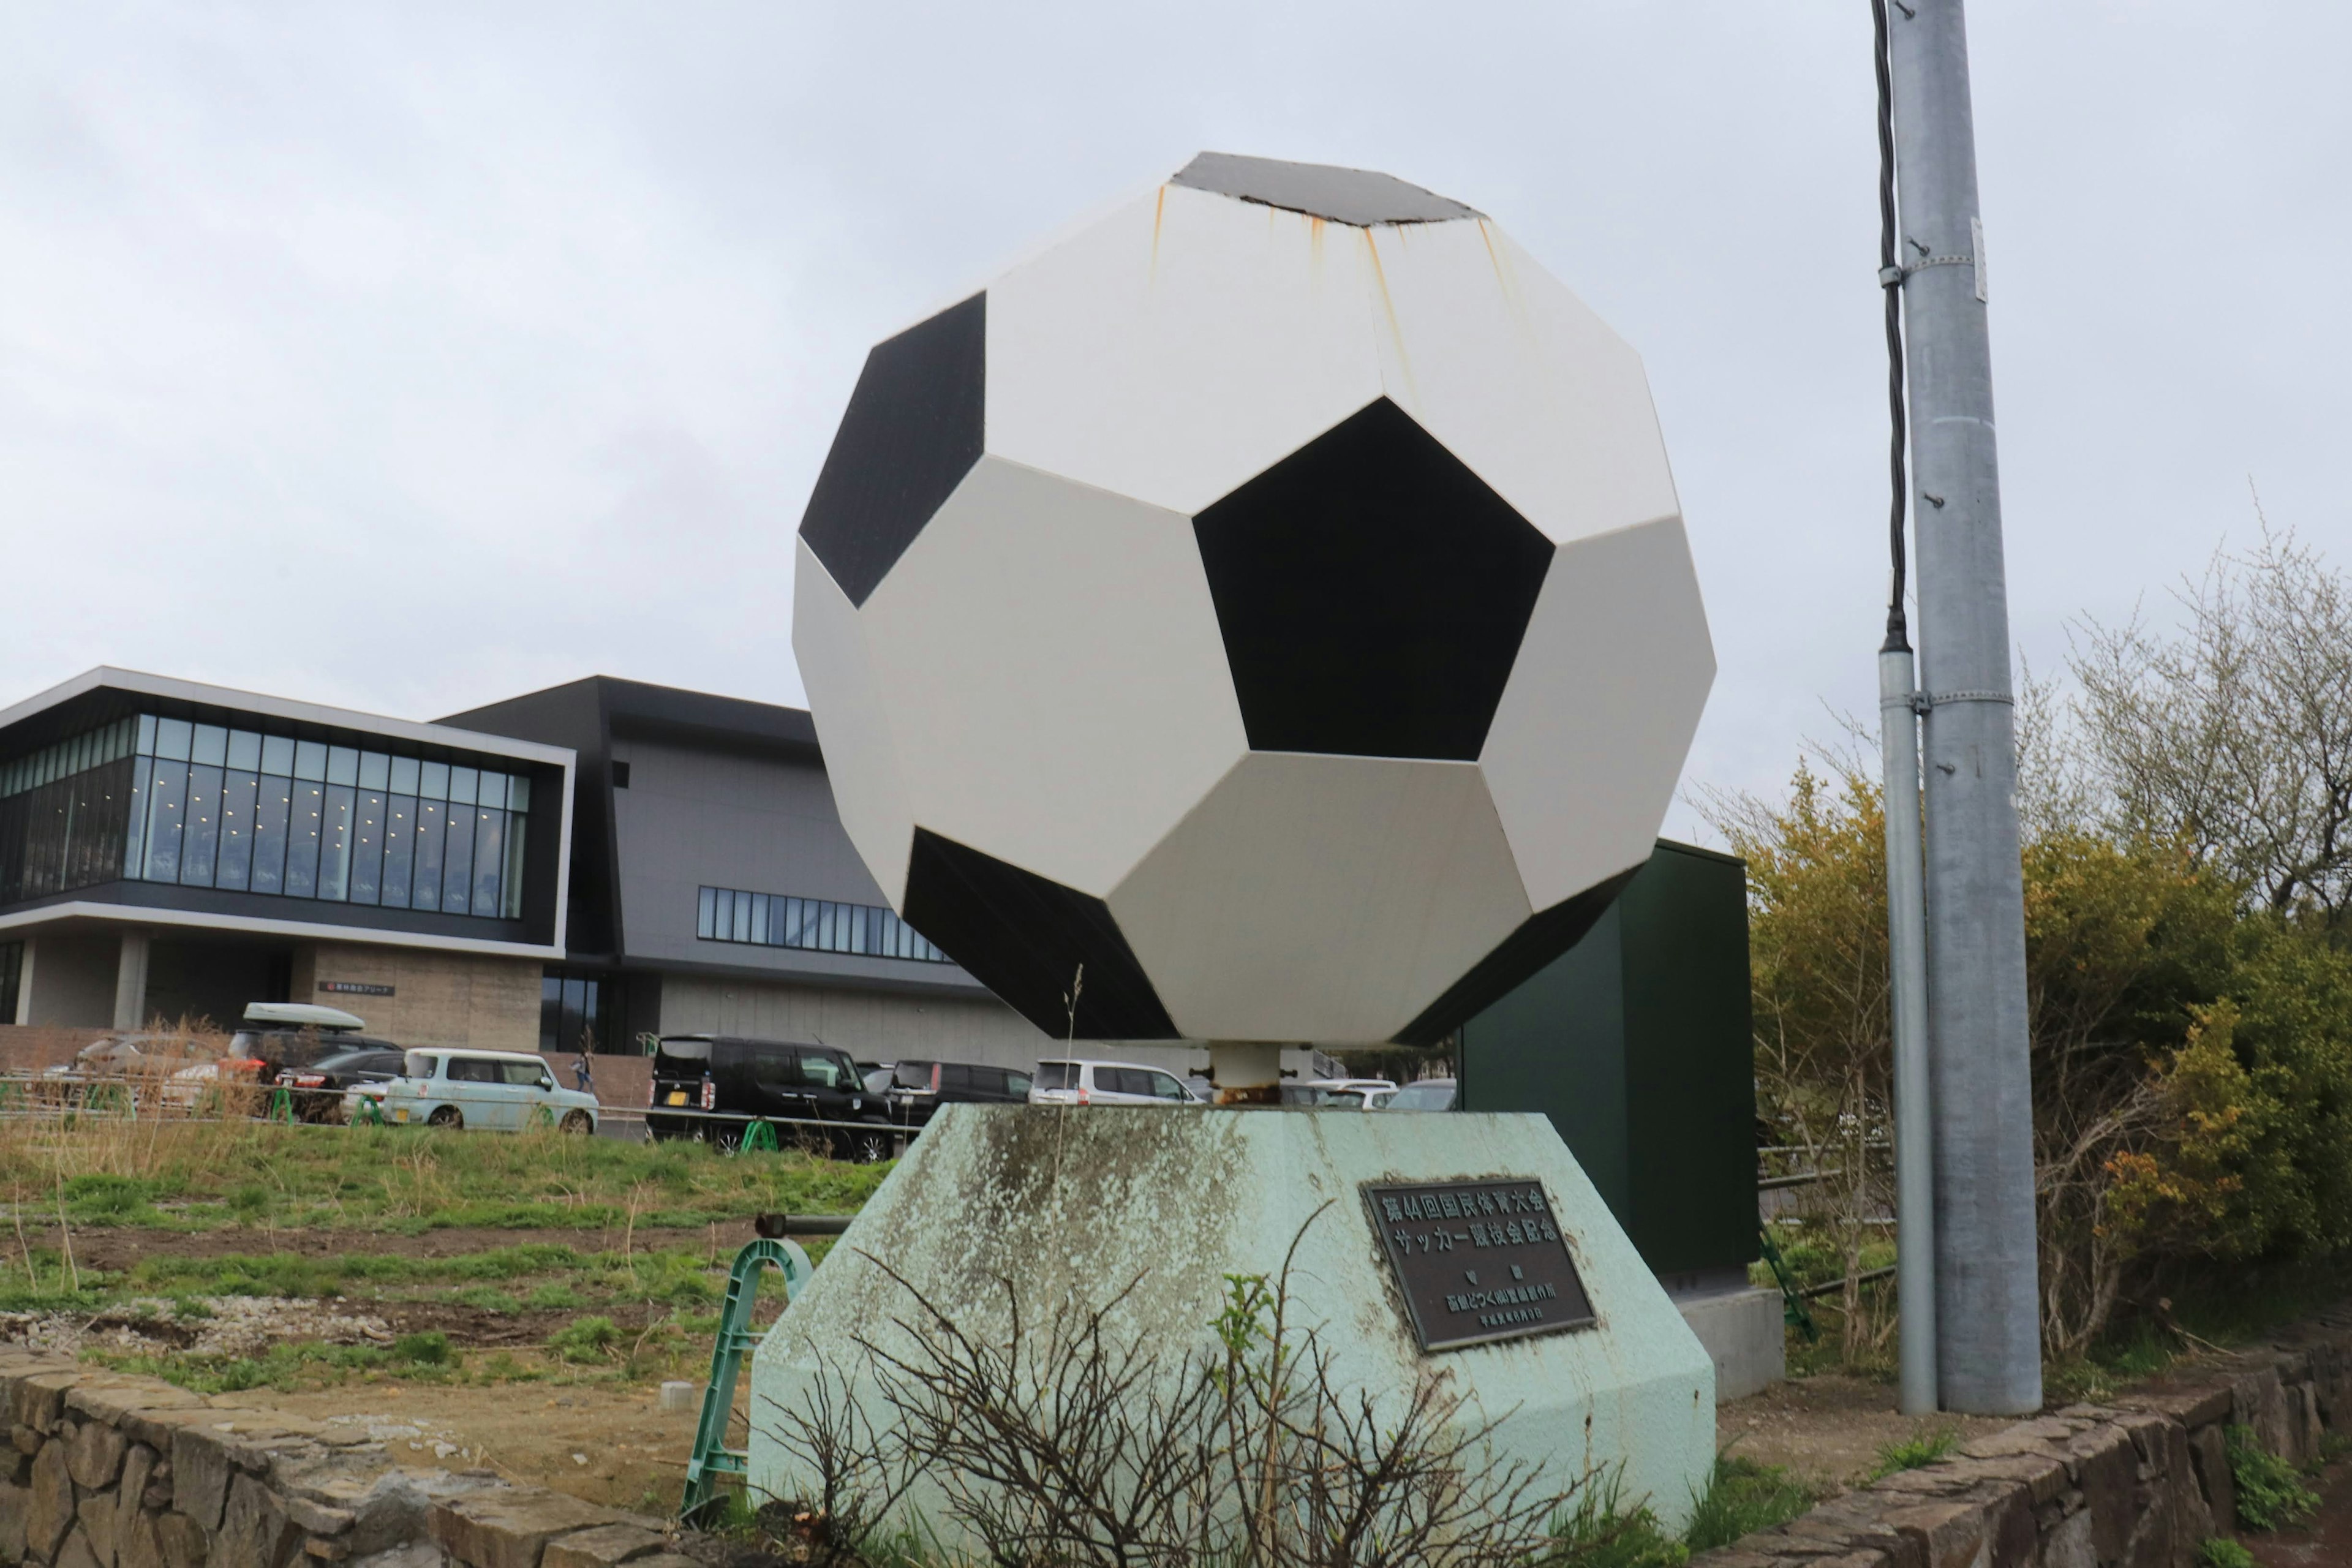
pixel 585 1079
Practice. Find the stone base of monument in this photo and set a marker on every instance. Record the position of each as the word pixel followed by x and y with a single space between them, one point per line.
pixel 1463 1248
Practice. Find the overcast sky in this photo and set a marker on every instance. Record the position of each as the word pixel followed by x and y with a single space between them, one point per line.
pixel 408 357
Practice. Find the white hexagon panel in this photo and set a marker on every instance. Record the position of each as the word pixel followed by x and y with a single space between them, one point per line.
pixel 1269 602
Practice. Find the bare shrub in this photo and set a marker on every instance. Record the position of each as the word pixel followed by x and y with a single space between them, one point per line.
pixel 1060 1439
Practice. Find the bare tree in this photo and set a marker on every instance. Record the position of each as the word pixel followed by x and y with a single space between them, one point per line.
pixel 2234 733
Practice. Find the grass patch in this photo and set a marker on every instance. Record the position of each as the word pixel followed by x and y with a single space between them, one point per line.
pixel 239 1171
pixel 1923 1446
pixel 2271 1492
pixel 1743 1497
pixel 1603 1534
pixel 586 1340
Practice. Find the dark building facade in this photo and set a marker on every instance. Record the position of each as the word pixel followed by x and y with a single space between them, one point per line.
pixel 713 889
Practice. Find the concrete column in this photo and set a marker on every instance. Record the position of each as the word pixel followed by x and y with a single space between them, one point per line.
pixel 131 979
pixel 24 982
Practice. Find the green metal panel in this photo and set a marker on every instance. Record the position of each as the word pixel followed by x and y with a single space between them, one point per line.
pixel 1636 1043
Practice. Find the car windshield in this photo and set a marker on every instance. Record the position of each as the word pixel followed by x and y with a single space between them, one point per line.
pixel 1057 1075
pixel 343 1061
pixel 1434 1094
pixel 912 1075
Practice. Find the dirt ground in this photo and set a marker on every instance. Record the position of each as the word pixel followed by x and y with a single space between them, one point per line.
pixel 607 1444
pixel 1828 1429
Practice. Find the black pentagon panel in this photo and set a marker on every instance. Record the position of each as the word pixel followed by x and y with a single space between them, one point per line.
pixel 1358 196
pixel 1372 592
pixel 913 429
pixel 1545 936
pixel 1024 936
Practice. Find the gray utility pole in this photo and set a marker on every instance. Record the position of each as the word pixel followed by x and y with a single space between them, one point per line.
pixel 1906 953
pixel 1989 1334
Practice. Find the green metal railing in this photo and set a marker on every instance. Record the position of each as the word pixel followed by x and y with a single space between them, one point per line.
pixel 712 1458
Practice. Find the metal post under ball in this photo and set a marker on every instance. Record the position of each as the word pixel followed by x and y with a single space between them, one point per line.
pixel 1263 615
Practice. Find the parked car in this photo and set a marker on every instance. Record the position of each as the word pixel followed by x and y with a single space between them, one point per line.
pixel 1339 1093
pixel 1428 1094
pixel 1107 1083
pixel 713 1085
pixel 321 1091
pixel 917 1089
pixel 275 1036
pixel 496 1091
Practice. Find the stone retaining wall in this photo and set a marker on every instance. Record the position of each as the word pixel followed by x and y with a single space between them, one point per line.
pixel 104 1471
pixel 2141 1482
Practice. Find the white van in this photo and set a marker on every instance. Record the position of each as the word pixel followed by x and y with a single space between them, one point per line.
pixel 501 1091
pixel 1107 1083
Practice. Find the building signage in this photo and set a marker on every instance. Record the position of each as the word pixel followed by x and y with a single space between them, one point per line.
pixel 354 988
pixel 1479 1260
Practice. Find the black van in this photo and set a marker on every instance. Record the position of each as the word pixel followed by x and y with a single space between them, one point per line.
pixel 918 1089
pixel 742 1078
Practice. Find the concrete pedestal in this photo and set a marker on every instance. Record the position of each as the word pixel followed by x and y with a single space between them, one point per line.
pixel 1073 1204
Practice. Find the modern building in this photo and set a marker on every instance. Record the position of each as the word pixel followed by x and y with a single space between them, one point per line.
pixel 586 864
pixel 713 889
pixel 175 850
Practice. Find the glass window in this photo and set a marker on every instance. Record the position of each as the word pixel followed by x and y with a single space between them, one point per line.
pixel 462 782
pixel 457 861
pixel 210 746
pixel 825 1071
pixel 342 766
pixel 367 847
pixel 310 760
pixel 551 1011
pixel 760 917
pixel 173 738
pixel 237 789
pixel 146 734
pixel 404 775
pixel 135 845
pixel 742 917
pixel 510 881
pixel 518 793
pixel 705 922
pixel 306 821
pixel 278 756
pixel 470 1069
pixel 167 793
pixel 489 858
pixel 491 791
pixel 524 1075
pixel 335 843
pixel 200 835
pixel 424 888
pixel 435 782
pixel 245 751
pixel 273 808
pixel 1017 1083
pixel 1057 1075
pixel 399 844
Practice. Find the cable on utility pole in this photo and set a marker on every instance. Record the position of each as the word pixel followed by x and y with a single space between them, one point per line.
pixel 1907 917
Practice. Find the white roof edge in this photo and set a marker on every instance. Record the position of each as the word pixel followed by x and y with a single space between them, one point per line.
pixel 284 708
pixel 368 936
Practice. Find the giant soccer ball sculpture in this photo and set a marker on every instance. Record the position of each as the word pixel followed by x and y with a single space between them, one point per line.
pixel 1270 597
pixel 1269 602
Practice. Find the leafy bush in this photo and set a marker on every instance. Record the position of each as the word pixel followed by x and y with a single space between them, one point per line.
pixel 2269 1491
pixel 2221 1553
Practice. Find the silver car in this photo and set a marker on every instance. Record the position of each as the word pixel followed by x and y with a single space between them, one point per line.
pixel 1107 1083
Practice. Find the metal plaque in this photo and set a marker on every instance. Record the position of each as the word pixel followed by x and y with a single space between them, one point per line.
pixel 354 988
pixel 1479 1260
